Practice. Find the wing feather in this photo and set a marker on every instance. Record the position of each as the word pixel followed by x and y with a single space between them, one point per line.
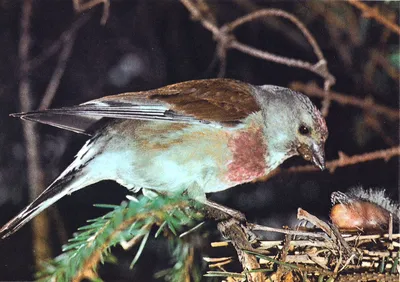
pixel 217 101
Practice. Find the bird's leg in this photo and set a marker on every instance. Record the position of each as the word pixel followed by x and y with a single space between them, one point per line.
pixel 196 193
pixel 219 212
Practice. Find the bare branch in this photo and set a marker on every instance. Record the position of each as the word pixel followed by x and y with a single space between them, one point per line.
pixel 41 249
pixel 80 7
pixel 223 35
pixel 369 12
pixel 312 89
pixel 344 160
pixel 235 231
pixel 196 14
pixel 231 229
pixel 57 74
pixel 330 230
pixel 278 13
pixel 258 227
pixel 53 48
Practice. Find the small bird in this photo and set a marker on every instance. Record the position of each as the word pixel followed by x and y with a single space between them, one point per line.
pixel 363 210
pixel 197 137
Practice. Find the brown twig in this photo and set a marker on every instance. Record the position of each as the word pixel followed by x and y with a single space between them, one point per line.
pixel 369 12
pixel 57 73
pixel 276 24
pixel 41 249
pixel 345 160
pixel 342 161
pixel 365 277
pixel 331 231
pixel 232 229
pixel 340 17
pixel 283 257
pixel 80 7
pixel 223 35
pixel 312 89
pixel 266 245
pixel 342 25
pixel 258 227
pixel 381 60
pixel 56 45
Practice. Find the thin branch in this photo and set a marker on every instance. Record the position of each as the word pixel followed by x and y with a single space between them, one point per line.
pixel 80 7
pixel 312 89
pixel 57 74
pixel 342 161
pixel 55 46
pixel 196 14
pixel 278 13
pixel 276 24
pixel 41 249
pixel 266 245
pixel 258 227
pixel 380 59
pixel 232 229
pixel 345 160
pixel 369 12
pixel 330 230
pixel 223 35
pixel 329 258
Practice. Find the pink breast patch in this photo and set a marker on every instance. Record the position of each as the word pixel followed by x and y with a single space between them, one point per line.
pixel 248 156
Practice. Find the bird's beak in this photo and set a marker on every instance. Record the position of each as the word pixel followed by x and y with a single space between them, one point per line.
pixel 314 153
pixel 318 156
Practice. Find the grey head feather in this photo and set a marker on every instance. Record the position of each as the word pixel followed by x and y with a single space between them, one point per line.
pixel 284 110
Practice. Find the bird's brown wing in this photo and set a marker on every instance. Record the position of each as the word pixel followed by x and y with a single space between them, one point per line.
pixel 219 101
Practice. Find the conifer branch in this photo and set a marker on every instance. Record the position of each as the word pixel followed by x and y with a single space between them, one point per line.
pixel 131 220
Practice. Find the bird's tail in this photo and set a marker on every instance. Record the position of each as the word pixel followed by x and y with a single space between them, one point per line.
pixel 76 176
pixel 58 189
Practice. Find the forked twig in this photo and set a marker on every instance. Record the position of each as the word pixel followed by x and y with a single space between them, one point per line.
pixel 80 7
pixel 226 40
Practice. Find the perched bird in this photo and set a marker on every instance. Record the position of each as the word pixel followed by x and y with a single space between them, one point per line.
pixel 197 136
pixel 363 210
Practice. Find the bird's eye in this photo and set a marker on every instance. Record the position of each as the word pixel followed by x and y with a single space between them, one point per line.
pixel 304 130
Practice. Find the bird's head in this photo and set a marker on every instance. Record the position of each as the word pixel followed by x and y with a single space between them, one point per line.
pixel 293 125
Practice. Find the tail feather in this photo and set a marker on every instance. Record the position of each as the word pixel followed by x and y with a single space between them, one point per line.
pixel 58 189
pixel 73 178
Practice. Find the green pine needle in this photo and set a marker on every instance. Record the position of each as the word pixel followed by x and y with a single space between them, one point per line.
pixel 91 244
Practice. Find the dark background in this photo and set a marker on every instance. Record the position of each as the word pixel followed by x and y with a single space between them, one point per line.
pixel 147 44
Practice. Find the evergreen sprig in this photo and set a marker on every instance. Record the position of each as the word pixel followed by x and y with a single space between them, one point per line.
pixel 184 268
pixel 130 221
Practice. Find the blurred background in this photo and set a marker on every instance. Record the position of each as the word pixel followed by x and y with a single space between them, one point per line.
pixel 145 44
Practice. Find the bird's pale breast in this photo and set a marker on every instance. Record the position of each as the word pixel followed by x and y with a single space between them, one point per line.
pixel 173 157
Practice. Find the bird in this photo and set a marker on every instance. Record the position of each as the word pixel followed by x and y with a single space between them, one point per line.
pixel 194 137
pixel 363 210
